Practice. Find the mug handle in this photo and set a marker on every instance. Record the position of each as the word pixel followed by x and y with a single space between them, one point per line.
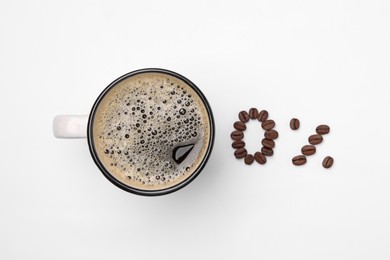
pixel 70 126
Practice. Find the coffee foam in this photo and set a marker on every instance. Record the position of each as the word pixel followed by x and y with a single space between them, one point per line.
pixel 139 123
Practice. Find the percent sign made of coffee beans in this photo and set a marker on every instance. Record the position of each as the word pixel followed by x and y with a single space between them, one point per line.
pixel 268 142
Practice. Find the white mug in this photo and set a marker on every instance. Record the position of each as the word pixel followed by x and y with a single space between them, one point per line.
pixel 81 126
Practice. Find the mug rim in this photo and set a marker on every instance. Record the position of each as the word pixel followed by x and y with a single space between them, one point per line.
pixel 122 185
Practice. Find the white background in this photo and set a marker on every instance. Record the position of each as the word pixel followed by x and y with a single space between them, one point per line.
pixel 320 61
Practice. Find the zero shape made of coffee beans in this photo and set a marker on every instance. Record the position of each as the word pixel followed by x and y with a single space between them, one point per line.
pixel 269 134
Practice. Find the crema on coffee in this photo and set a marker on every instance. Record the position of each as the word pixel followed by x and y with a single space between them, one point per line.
pixel 151 131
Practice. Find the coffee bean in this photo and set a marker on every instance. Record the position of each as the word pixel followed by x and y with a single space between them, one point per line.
pixel 239 126
pixel 267 151
pixel 260 158
pixel 268 124
pixel 263 115
pixel 237 135
pixel 322 129
pixel 299 160
pixel 308 150
pixel 271 134
pixel 315 139
pixel 238 144
pixel 240 153
pixel 327 162
pixel 269 143
pixel 253 113
pixel 294 124
pixel 243 116
pixel 249 159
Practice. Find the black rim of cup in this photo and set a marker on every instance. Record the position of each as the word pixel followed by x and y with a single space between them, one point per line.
pixel 118 183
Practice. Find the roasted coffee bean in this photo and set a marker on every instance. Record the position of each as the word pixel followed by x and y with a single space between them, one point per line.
pixel 294 124
pixel 322 129
pixel 269 143
pixel 260 158
pixel 243 116
pixel 299 160
pixel 263 115
pixel 308 150
pixel 237 135
pixel 271 134
pixel 315 139
pixel 249 159
pixel 267 151
pixel 327 162
pixel 238 144
pixel 240 153
pixel 268 124
pixel 239 126
pixel 253 113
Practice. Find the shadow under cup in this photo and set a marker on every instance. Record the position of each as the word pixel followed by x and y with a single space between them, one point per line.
pixel 151 132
